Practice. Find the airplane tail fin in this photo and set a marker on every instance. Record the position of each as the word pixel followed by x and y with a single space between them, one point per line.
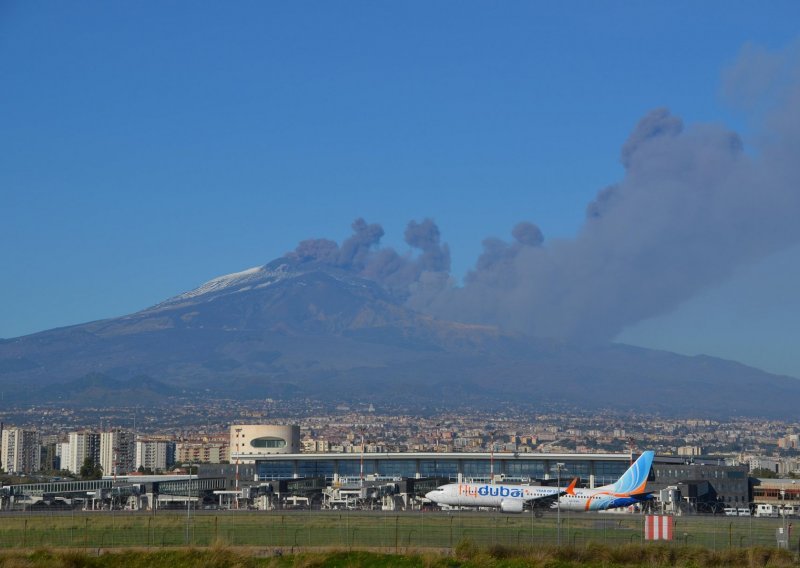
pixel 634 480
pixel 570 490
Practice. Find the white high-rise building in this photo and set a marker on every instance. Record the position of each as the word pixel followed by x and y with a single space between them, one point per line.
pixel 63 453
pixel 82 445
pixel 154 454
pixel 117 452
pixel 20 451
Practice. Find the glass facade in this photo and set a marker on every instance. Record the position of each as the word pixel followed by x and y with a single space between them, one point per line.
pixel 438 468
pixel 352 468
pixel 268 443
pixel 525 469
pixel 397 468
pixel 573 468
pixel 315 468
pixel 470 467
pixel 275 469
pixel 606 473
pixel 477 468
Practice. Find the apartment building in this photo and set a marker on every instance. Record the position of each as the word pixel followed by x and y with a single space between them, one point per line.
pixel 117 452
pixel 82 445
pixel 20 450
pixel 211 449
pixel 154 455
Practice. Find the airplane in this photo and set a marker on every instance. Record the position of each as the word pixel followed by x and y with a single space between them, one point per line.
pixel 629 489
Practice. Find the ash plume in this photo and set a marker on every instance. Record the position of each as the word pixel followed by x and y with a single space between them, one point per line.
pixel 360 253
pixel 355 251
pixel 692 207
pixel 694 204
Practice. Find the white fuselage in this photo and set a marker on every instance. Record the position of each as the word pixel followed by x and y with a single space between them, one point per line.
pixel 505 495
pixel 487 494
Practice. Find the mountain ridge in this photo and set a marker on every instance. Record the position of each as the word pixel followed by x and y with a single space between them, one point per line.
pixel 305 329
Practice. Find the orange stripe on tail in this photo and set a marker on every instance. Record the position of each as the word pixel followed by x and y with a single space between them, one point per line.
pixel 571 488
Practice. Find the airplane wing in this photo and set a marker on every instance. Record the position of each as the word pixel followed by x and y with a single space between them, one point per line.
pixel 548 500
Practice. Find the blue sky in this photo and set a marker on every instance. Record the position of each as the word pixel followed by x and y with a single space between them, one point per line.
pixel 148 147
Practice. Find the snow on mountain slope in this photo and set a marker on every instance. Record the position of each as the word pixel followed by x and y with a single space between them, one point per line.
pixel 256 277
pixel 222 282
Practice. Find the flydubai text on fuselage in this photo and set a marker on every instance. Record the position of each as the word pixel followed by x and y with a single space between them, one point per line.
pixel 627 490
pixel 510 498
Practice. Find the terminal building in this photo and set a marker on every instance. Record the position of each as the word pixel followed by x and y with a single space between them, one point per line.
pixel 700 485
pixel 250 442
pixel 594 469
pixel 776 497
pixel 267 470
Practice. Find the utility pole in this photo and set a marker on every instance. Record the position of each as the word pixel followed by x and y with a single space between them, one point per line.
pixel 491 459
pixel 362 457
pixel 236 497
pixel 188 503
pixel 559 467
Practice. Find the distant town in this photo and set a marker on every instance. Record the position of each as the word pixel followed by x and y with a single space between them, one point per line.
pixel 199 433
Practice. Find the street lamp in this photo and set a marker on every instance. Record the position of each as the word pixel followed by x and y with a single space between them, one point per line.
pixel 361 467
pixel 782 493
pixel 491 458
pixel 788 536
pixel 559 467
pixel 236 495
pixel 188 500
pixel 188 503
pixel 783 509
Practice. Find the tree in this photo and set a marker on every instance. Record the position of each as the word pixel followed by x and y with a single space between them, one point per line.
pixel 91 470
pixel 764 472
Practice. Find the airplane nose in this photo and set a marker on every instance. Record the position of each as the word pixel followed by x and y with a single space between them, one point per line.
pixel 431 495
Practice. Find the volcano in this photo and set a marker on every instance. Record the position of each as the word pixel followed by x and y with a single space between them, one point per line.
pixel 304 329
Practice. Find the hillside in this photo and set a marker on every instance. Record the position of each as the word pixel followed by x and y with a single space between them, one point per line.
pixel 302 329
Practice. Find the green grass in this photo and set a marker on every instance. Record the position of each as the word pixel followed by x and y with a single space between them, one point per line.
pixel 466 555
pixel 390 532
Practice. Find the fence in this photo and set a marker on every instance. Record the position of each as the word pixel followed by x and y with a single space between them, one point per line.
pixel 389 531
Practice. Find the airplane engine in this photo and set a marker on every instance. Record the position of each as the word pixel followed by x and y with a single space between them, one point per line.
pixel 511 505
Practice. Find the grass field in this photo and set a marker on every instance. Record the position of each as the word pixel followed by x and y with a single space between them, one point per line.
pixel 465 555
pixel 389 532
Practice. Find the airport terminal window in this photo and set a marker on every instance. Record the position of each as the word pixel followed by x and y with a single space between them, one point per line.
pixel 268 443
pixel 576 469
pixel 438 468
pixel 478 468
pixel 397 468
pixel 608 472
pixel 527 468
pixel 275 469
pixel 352 468
pixel 315 468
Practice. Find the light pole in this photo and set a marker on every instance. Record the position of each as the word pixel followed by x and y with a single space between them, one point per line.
pixel 236 495
pixel 491 459
pixel 361 466
pixel 559 467
pixel 783 512
pixel 789 529
pixel 188 503
pixel 188 500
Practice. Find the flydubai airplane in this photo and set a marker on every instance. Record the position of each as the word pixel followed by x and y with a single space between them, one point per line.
pixel 627 490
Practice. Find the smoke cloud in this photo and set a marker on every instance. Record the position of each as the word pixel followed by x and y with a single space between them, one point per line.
pixel 694 204
pixel 360 253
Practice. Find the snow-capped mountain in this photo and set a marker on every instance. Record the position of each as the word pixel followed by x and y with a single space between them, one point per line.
pixel 295 328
